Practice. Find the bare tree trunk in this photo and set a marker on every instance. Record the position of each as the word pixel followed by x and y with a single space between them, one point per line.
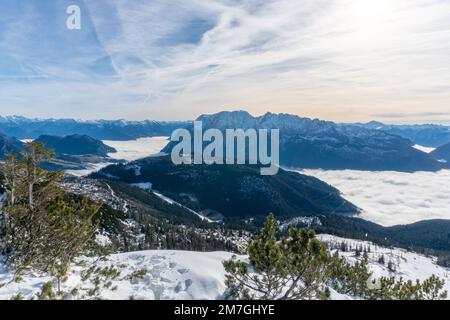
pixel 4 228
pixel 31 181
pixel 59 284
pixel 5 224
pixel 10 178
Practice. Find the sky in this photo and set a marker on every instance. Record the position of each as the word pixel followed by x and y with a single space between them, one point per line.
pixel 341 60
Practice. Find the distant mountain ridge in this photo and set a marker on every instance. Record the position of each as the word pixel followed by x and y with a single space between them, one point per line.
pixel 76 145
pixel 313 143
pixel 74 152
pixel 25 128
pixel 9 144
pixel 305 143
pixel 427 135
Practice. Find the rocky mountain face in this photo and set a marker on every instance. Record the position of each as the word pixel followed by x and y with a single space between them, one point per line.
pixel 24 128
pixel 312 143
pixel 233 190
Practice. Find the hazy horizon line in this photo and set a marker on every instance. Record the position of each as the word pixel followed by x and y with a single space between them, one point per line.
pixel 374 119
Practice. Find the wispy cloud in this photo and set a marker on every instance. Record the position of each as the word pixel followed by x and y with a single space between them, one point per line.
pixel 336 59
pixel 409 115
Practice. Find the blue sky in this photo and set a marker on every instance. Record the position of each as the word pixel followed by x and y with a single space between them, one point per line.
pixel 343 60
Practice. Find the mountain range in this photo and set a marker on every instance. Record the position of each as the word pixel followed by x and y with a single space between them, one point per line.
pixel 25 128
pixel 427 135
pixel 304 142
pixel 313 143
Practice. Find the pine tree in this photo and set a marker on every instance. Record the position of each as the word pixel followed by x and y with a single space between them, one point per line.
pixel 11 186
pixel 432 289
pixel 391 266
pixel 299 267
pixel 387 288
pixel 47 227
pixel 350 279
pixel 286 269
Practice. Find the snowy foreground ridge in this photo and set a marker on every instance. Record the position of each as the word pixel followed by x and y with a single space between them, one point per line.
pixel 150 275
pixel 168 274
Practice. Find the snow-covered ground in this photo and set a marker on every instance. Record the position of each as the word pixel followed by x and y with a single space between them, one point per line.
pixel 391 198
pixel 169 274
pixel 151 275
pixel 136 149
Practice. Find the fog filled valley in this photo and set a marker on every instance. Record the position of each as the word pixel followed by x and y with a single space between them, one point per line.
pixel 392 198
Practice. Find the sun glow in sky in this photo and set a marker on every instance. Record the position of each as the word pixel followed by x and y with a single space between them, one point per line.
pixel 342 60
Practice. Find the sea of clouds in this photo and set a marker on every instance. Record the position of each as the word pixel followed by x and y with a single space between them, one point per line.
pixel 136 149
pixel 391 198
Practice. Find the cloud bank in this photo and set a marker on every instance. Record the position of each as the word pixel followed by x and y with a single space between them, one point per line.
pixel 393 198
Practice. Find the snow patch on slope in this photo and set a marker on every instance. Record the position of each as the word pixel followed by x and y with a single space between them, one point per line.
pixel 424 149
pixel 170 201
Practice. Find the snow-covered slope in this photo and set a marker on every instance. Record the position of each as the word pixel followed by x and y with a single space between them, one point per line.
pixel 143 275
pixel 406 264
pixel 168 274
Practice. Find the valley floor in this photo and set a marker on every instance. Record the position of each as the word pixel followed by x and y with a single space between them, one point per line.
pixel 168 274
